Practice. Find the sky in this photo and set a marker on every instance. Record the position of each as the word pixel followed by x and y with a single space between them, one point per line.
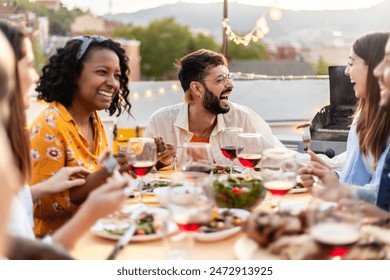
pixel 100 7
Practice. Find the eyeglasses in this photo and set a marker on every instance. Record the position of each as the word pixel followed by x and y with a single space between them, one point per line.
pixel 222 79
pixel 86 41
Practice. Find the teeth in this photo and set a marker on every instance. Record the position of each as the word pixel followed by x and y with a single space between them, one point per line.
pixel 108 94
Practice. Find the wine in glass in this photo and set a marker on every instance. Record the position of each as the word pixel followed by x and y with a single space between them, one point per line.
pixel 196 157
pixel 278 182
pixel 278 170
pixel 141 158
pixel 249 150
pixel 229 143
pixel 335 228
pixel 190 202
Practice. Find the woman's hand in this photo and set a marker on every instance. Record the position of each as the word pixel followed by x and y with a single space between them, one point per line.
pixel 107 198
pixel 64 179
pixel 319 168
pixel 367 210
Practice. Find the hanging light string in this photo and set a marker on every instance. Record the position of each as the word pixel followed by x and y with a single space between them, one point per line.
pixel 258 32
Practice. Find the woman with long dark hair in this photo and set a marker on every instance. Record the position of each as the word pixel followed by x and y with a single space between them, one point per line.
pixel 21 221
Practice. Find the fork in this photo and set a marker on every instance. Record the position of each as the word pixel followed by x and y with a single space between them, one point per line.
pixel 306 136
pixel 109 160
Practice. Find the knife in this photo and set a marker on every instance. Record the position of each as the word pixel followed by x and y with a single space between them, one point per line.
pixel 122 242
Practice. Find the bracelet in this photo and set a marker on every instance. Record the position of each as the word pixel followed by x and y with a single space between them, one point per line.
pixel 110 164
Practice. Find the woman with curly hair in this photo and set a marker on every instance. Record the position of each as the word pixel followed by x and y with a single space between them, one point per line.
pixel 89 74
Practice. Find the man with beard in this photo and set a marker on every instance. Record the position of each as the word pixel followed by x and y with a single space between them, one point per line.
pixel 207 84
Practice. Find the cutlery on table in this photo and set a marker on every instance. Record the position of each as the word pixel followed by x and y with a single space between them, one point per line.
pixel 123 241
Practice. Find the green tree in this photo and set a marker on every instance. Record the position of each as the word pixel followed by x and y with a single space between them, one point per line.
pixel 254 51
pixel 162 42
pixel 202 41
pixel 320 67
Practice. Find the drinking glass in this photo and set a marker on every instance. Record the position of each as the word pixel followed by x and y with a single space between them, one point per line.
pixel 335 228
pixel 190 202
pixel 278 182
pixel 229 143
pixel 196 157
pixel 278 167
pixel 249 151
pixel 141 158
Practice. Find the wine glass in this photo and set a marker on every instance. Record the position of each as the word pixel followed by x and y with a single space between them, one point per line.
pixel 278 182
pixel 229 143
pixel 141 158
pixel 249 151
pixel 335 228
pixel 278 171
pixel 196 157
pixel 190 202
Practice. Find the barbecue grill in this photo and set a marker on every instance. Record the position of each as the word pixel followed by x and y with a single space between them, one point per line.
pixel 329 128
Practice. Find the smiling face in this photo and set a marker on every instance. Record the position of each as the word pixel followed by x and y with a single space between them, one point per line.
pixel 27 74
pixel 99 80
pixel 217 88
pixel 382 72
pixel 357 70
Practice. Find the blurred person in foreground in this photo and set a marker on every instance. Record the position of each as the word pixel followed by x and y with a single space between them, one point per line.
pixel 109 194
pixel 206 111
pixel 8 172
pixel 320 169
pixel 12 247
pixel 369 135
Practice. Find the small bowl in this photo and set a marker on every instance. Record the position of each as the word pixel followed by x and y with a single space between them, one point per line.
pixel 179 195
pixel 162 194
pixel 238 192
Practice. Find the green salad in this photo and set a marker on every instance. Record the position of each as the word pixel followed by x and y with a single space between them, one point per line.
pixel 150 186
pixel 238 192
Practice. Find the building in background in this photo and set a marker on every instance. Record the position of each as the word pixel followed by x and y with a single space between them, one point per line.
pixel 52 4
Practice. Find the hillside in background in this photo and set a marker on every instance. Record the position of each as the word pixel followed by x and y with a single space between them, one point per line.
pixel 303 27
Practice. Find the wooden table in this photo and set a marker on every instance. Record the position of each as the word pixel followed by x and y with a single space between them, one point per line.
pixel 92 247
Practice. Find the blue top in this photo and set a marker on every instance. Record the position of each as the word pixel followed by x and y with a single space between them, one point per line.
pixel 355 171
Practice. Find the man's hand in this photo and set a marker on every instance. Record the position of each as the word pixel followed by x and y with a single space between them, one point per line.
pixel 165 152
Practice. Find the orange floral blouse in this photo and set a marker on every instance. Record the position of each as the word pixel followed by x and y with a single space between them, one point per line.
pixel 57 141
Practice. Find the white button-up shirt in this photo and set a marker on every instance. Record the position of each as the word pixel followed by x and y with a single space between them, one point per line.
pixel 171 123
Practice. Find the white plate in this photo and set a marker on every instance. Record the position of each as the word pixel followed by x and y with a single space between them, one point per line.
pixel 247 249
pixel 98 228
pixel 218 235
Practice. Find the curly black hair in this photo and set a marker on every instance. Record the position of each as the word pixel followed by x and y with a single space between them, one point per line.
pixel 58 81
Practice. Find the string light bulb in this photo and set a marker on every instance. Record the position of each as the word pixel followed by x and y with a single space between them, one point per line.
pixel 275 13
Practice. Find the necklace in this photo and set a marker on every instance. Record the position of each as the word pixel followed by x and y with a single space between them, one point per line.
pixel 86 130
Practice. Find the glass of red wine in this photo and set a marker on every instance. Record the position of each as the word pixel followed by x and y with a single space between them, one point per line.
pixel 190 202
pixel 141 158
pixel 229 144
pixel 334 220
pixel 278 182
pixel 278 170
pixel 249 151
pixel 196 157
